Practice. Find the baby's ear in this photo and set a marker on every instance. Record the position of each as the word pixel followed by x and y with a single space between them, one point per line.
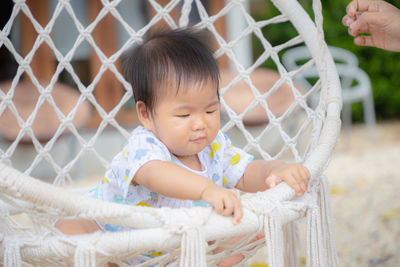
pixel 144 115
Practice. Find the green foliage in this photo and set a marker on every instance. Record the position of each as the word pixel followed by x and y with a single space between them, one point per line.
pixel 383 67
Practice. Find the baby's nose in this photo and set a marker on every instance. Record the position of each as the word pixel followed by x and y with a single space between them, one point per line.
pixel 199 123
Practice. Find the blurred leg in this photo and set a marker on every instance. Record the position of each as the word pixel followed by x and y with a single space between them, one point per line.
pixel 235 258
pixel 77 226
pixel 80 226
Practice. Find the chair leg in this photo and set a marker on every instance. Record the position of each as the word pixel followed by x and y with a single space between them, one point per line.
pixel 369 116
pixel 346 117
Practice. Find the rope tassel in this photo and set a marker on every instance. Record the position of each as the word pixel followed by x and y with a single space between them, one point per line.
pixel 85 256
pixel 315 245
pixel 193 249
pixel 327 227
pixel 274 239
pixel 12 256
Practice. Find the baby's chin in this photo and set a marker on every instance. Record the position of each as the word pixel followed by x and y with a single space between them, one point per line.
pixel 187 153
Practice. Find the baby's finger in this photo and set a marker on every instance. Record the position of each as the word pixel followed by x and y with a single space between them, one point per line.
pixel 305 174
pixel 298 177
pixel 278 180
pixel 272 181
pixel 302 174
pixel 292 182
pixel 300 183
pixel 219 206
pixel 237 213
pixel 305 179
pixel 228 206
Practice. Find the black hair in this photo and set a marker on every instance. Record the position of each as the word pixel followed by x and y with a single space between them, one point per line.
pixel 180 56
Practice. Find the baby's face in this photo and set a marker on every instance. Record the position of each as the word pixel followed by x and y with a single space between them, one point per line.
pixel 188 121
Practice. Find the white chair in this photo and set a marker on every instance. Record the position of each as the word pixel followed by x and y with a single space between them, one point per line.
pixel 356 85
pixel 29 208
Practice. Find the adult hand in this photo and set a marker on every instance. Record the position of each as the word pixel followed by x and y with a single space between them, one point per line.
pixel 379 19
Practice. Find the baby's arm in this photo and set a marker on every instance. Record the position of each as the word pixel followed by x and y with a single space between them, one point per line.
pixel 261 175
pixel 173 181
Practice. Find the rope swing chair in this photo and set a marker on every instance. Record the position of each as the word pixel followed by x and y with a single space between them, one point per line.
pixel 301 132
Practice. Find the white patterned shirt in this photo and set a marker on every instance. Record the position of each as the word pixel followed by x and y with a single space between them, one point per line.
pixel 221 163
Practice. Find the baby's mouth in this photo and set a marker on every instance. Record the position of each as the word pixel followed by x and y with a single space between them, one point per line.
pixel 199 139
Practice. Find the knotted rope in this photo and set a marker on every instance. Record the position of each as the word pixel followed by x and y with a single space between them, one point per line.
pixel 275 211
pixel 187 224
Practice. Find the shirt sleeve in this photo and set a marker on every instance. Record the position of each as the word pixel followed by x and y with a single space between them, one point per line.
pixel 235 161
pixel 141 148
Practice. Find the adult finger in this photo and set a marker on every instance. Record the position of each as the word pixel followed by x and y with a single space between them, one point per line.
pixel 352 30
pixel 351 8
pixel 364 41
pixel 347 20
pixel 366 22
pixel 371 19
pixel 361 24
pixel 361 6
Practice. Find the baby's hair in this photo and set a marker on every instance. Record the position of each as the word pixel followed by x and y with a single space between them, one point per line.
pixel 170 57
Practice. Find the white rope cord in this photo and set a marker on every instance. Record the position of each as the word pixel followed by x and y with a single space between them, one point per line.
pixel 267 201
pixel 270 212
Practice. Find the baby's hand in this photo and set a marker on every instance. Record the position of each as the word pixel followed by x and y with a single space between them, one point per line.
pixel 225 201
pixel 295 175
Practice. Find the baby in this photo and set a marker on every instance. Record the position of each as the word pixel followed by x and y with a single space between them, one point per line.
pixel 179 157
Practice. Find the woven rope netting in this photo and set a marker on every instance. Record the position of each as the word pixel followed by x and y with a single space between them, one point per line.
pixel 303 133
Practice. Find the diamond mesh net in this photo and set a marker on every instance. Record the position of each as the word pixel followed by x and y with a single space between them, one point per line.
pixel 45 122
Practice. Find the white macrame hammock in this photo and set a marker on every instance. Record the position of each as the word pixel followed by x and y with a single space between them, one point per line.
pixel 182 234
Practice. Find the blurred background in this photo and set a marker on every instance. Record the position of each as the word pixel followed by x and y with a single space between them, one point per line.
pixel 363 173
pixel 382 66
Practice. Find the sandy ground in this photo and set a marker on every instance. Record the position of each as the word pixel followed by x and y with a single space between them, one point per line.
pixel 365 183
pixel 364 177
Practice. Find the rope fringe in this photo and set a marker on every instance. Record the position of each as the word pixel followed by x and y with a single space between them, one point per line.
pixel 85 255
pixel 327 225
pixel 274 239
pixel 12 256
pixel 291 238
pixel 321 250
pixel 193 249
